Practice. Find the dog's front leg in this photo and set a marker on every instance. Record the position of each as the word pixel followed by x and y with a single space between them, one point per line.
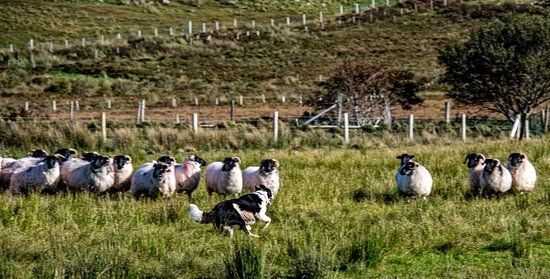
pixel 264 218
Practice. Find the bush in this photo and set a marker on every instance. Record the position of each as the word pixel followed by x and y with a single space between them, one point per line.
pixel 60 86
pixel 83 86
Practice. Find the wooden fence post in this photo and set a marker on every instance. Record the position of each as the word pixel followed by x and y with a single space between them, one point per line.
pixel 232 111
pixel 515 127
pixel 241 101
pixel 411 126
pixel 77 105
pixel 138 119
pixel 177 118
pixel 547 119
pixel 143 110
pixel 346 128
pixel 71 111
pixel 275 126
pixel 464 127
pixel 195 122
pixel 447 112
pixel 103 127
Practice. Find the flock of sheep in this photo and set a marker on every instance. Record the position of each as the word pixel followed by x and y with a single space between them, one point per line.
pixel 92 172
pixel 96 173
pixel 487 176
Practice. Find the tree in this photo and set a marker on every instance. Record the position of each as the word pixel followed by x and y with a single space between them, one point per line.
pixel 369 91
pixel 503 67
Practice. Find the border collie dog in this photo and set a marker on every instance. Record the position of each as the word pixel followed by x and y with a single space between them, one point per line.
pixel 242 212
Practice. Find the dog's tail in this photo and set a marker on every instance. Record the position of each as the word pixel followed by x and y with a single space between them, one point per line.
pixel 195 213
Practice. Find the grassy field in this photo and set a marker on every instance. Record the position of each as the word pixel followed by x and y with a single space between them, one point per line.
pixel 337 215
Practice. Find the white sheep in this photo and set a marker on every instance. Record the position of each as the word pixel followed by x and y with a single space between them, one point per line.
pixel 188 174
pixel 224 178
pixel 153 178
pixel 266 174
pixel 122 166
pixel 414 179
pixel 9 165
pixel 524 175
pixel 494 179
pixel 475 163
pixel 42 177
pixel 96 176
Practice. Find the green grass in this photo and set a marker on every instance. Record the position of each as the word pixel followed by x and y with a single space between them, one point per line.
pixel 337 215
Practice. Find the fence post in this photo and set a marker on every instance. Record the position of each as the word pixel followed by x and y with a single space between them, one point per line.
pixel 196 101
pixel 357 8
pixel 138 119
pixel 203 27
pixel 54 105
pixel 300 100
pixel 547 119
pixel 109 103
pixel 232 111
pixel 83 42
pixel 341 9
pixel 71 111
pixel 272 23
pixel 217 101
pixel 275 126
pixel 515 127
pixel 174 102
pixel 287 20
pixel 411 126
pixel 143 110
pixel 304 20
pixel 235 23
pixel 464 127
pixel 26 106
pixel 339 103
pixel 346 128
pixel 195 122
pixel 241 100
pixel 321 19
pixel 283 99
pixel 31 44
pixel 526 123
pixel 171 31
pixel 190 28
pixel 77 105
pixel 11 48
pixel 263 98
pixel 177 118
pixel 373 4
pixel 103 127
pixel 447 112
pixel 156 32
pixel 217 26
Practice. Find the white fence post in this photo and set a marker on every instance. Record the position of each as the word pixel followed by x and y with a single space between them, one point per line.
pixel 103 127
pixel 321 19
pixel 346 128
pixel 203 27
pixel 464 127
pixel 263 98
pixel 283 99
pixel 341 9
pixel 174 102
pixel 272 23
pixel 304 19
pixel 195 122
pixel 241 101
pixel 515 127
pixel 71 111
pixel 177 118
pixel 26 106
pixel 31 44
pixel 77 105
pixel 217 101
pixel 109 103
pixel 156 32
pixel 54 105
pixel 235 23
pixel 526 123
pixel 357 10
pixel 275 126
pixel 143 110
pixel 138 119
pixel 217 26
pixel 411 126
pixel 373 4
pixel 196 101
pixel 447 112
pixel 287 20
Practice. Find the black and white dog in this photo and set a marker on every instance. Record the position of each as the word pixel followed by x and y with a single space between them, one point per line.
pixel 242 212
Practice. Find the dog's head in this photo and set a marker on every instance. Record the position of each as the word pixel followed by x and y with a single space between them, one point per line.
pixel 167 160
pixel 516 159
pixel 269 165
pixel 195 158
pixel 405 158
pixel 473 159
pixel 52 160
pixel 66 152
pixel 159 169
pixel 121 160
pixel 38 153
pixel 491 165
pixel 266 192
pixel 409 167
pixel 231 162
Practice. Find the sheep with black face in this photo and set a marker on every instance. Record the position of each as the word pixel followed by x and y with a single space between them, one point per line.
pixel 495 178
pixel 42 177
pixel 266 174
pixel 475 163
pixel 10 165
pixel 122 166
pixel 413 179
pixel 151 179
pixel 66 153
pixel 188 174
pixel 96 176
pixel 224 178
pixel 524 175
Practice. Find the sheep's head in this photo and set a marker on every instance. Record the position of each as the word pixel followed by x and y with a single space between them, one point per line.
pixel 159 169
pixel 52 160
pixel 472 159
pixel 516 159
pixel 197 159
pixel 262 190
pixel 121 160
pixel 268 165
pixel 66 152
pixel 89 156
pixel 100 162
pixel 230 162
pixel 491 165
pixel 167 160
pixel 409 167
pixel 405 158
pixel 38 153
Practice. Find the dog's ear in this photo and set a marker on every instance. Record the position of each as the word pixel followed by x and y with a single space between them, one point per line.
pixel 257 188
pixel 399 157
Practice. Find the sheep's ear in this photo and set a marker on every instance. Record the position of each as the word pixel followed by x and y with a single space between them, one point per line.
pixel 522 156
pixel 480 156
pixel 128 158
pixel 72 151
pixel 276 162
pixel 497 162
pixel 237 159
pixel 226 160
